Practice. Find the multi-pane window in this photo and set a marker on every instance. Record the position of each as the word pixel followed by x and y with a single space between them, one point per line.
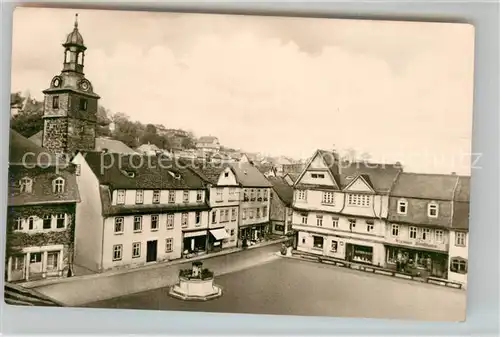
pixel 251 213
pixel 199 196
pixel 259 195
pixel 264 211
pixel 26 185
pixel 425 234
pixel 185 196
pixel 184 219
pixel 359 200
pixel 226 215
pixel 61 220
pixel 266 195
pixel 439 235
pixel 460 239
pixel 258 213
pixel 139 196
pixel 170 220
pixel 252 195
pixel 156 197
pixel 117 252
pixel 214 216
pixel 327 198
pixel 432 210
pixel 402 206
pixel 319 220
pixel 154 222
pixel 119 225
pixel 369 226
pixel 58 185
pixel 304 219
pixel 120 197
pixel 218 194
pixel 244 214
pixel 169 245
pixel 233 214
pixel 317 175
pixel 52 260
pixel 333 247
pixel 136 249
pixel 335 222
pixel 171 197
pixel 352 224
pixel 245 195
pixel 137 223
pixel 31 223
pixel 232 193
pixel 413 232
pixel 458 265
pixel 47 221
pixel 395 230
pixel 318 241
pixel 197 218
pixel 302 195
pixel 18 224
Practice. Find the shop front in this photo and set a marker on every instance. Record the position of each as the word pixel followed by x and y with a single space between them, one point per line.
pixel 254 233
pixel 36 264
pixel 422 263
pixel 359 253
pixel 194 242
pixel 216 238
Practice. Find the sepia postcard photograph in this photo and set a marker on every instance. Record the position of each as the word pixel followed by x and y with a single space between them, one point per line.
pixel 239 164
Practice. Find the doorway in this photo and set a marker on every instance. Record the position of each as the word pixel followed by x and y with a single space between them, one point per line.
pixel 152 251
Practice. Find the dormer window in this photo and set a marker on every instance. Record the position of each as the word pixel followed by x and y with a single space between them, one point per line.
pixel 402 206
pixel 317 175
pixel 58 185
pixel 26 185
pixel 432 210
pixel 226 174
pixel 130 174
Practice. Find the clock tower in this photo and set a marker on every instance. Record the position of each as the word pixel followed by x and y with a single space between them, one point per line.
pixel 70 106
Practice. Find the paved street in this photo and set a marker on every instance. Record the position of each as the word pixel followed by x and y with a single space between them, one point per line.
pixel 292 287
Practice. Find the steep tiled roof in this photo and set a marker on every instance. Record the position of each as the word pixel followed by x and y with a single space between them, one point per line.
pixel 284 191
pixel 210 173
pixel 112 210
pixel 461 204
pixel 101 144
pixel 417 212
pixel 20 146
pixel 462 192
pixel 380 177
pixel 141 172
pixel 249 176
pixel 425 186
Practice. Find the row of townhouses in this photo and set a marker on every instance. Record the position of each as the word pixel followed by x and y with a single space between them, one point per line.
pixel 377 214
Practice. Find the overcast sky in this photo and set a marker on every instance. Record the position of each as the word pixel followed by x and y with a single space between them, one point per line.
pixel 400 91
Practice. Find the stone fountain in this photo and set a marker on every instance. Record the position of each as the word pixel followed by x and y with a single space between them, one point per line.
pixel 195 284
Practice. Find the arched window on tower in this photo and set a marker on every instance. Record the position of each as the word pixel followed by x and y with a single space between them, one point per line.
pixel 79 58
pixel 66 56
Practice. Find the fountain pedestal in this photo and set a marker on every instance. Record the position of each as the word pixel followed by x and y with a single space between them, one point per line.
pixel 196 284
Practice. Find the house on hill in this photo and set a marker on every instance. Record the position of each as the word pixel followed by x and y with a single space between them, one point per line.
pixel 208 144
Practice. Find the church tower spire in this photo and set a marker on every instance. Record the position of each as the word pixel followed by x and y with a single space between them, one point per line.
pixel 70 109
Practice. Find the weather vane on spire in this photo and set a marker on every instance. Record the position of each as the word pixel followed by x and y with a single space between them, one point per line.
pixel 76 20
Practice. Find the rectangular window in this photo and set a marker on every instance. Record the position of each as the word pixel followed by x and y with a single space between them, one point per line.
pixel 31 223
pixel 369 226
pixel 120 197
pixel 137 223
pixel 395 230
pixel 458 265
pixel 259 195
pixel 264 212
pixel 185 196
pixel 154 222
pixel 119 225
pixel 199 196
pixel 35 257
pixel 117 252
pixel 258 213
pixel 226 215
pixel 460 239
pixel 18 224
pixel 244 215
pixel 327 198
pixel 302 195
pixel 55 102
pixel 439 235
pixel 251 213
pixel 426 234
pixel 184 221
pixel 139 196
pixel 402 206
pixel 47 221
pixel 333 248
pixel 413 232
pixel 61 220
pixel 156 196
pixel 362 200
pixel 52 259
pixel 318 242
pixel 432 210
pixel 197 218
pixel 136 250
pixel 319 220
pixel 252 195
pixel 170 220
pixel 171 197
pixel 83 104
pixel 232 193
pixel 169 245
pixel 233 214
pixel 304 219
pixel 214 216
pixel 245 195
pixel 352 224
pixel 232 232
pixel 335 222
pixel 218 194
pixel 266 194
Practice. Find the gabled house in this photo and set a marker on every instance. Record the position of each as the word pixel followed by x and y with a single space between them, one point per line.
pixel 419 222
pixel 340 208
pixel 281 206
pixel 290 178
pixel 43 195
pixel 137 210
pixel 459 233
pixel 208 144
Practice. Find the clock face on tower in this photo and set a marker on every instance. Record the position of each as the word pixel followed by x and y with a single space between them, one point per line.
pixel 56 82
pixel 84 85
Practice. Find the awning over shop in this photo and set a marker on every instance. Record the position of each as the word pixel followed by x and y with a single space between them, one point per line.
pixel 219 234
pixel 194 233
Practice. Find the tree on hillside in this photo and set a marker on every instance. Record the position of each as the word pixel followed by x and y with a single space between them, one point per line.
pixel 28 121
pixel 189 142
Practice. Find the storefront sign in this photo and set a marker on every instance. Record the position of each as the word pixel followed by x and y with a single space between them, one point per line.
pixel 416 243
